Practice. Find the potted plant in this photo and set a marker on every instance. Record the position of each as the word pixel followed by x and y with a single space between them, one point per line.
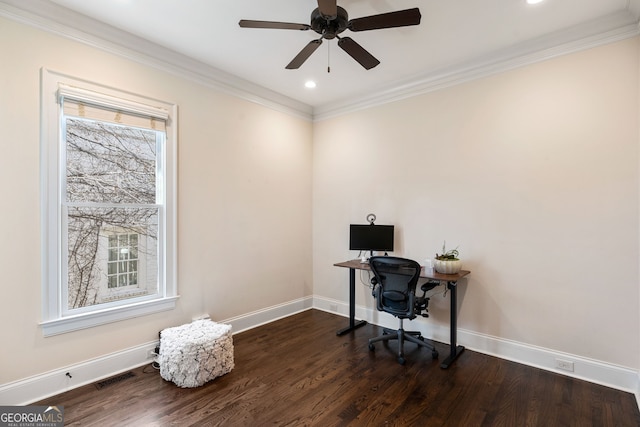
pixel 448 262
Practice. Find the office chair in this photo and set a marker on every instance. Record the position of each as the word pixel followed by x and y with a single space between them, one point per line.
pixel 395 280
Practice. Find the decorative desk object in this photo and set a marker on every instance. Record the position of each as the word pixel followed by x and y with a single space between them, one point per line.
pixel 195 353
pixel 448 262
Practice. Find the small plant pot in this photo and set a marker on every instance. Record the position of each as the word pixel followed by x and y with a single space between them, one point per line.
pixel 448 266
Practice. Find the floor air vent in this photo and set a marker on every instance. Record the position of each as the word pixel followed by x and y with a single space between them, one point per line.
pixel 114 380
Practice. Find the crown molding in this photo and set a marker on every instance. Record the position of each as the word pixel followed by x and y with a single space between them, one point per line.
pixel 55 19
pixel 609 29
pixel 58 20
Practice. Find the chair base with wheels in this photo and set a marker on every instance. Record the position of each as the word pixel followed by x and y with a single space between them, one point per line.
pixel 401 336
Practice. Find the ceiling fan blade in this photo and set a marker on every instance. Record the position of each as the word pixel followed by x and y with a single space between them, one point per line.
pixel 400 18
pixel 246 23
pixel 328 8
pixel 358 53
pixel 304 54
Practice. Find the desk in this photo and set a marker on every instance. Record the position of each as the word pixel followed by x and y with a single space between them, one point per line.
pixel 452 282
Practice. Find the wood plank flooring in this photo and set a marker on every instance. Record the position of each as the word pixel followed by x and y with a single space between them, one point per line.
pixel 297 372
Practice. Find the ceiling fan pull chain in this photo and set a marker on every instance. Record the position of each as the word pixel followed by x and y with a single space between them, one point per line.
pixel 328 58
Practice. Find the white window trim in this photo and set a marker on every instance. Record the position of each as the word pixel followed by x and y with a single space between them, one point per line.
pixel 53 322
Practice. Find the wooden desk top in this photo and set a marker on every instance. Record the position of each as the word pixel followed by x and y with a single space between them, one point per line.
pixel 358 265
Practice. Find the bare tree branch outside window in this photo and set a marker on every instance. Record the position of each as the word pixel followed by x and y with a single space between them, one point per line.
pixel 110 190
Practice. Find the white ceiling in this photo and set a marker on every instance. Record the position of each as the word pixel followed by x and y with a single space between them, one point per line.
pixel 454 35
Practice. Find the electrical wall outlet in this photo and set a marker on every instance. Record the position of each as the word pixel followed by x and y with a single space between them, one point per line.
pixel 201 317
pixel 151 354
pixel 565 365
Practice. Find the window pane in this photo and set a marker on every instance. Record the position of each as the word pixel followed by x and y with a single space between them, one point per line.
pixel 88 264
pixel 109 163
pixel 113 281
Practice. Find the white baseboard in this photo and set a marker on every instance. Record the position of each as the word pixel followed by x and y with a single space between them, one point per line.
pixel 637 393
pixel 42 386
pixel 594 371
pixel 269 314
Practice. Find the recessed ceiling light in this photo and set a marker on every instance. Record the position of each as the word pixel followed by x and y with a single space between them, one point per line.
pixel 534 1
pixel 310 84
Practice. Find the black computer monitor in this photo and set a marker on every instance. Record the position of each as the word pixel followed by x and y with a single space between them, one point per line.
pixel 371 237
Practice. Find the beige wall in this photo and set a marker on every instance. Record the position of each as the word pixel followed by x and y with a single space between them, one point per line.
pixel 244 206
pixel 532 172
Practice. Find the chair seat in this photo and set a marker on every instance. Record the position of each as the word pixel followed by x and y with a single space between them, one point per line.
pixel 394 296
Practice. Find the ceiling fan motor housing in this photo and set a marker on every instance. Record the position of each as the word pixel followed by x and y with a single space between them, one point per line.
pixel 329 28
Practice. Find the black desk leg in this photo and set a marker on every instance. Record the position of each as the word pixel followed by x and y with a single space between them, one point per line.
pixel 455 349
pixel 352 305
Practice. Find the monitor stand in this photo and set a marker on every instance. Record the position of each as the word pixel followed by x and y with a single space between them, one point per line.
pixel 364 259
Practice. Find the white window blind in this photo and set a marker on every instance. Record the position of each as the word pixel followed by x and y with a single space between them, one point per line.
pixel 86 104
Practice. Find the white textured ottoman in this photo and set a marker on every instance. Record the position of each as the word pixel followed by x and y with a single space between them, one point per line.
pixel 192 354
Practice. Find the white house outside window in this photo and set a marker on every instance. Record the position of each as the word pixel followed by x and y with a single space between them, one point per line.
pixel 109 160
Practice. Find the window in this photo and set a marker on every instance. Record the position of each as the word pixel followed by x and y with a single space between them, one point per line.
pixel 122 266
pixel 109 198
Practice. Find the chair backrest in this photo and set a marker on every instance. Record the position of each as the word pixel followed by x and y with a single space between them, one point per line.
pixel 396 284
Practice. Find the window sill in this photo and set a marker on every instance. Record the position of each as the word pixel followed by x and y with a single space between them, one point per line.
pixel 96 318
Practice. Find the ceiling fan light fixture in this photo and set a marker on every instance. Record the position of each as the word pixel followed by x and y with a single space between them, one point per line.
pixel 329 20
pixel 310 84
pixel 534 1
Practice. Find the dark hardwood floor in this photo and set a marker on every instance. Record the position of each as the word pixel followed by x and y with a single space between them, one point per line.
pixel 297 372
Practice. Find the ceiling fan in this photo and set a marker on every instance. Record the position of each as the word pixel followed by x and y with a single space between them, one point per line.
pixel 329 20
